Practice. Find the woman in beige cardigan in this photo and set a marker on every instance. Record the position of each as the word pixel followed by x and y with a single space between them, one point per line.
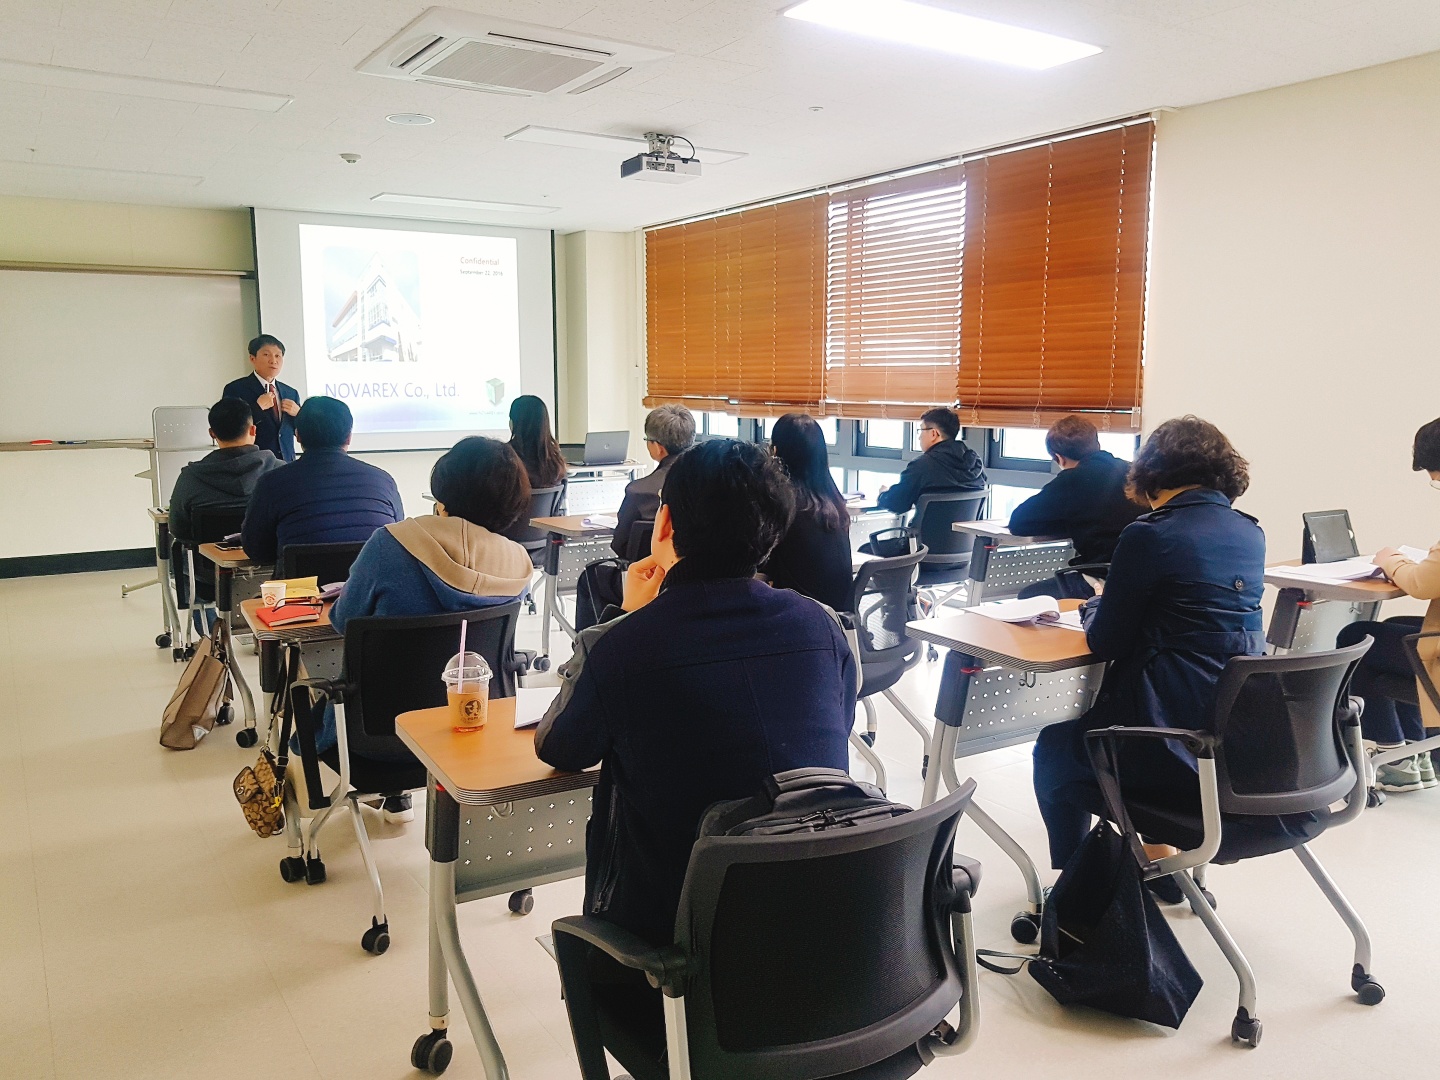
pixel 1387 722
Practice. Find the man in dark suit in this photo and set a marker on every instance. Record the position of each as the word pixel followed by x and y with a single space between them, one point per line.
pixel 1086 501
pixel 273 404
pixel 325 497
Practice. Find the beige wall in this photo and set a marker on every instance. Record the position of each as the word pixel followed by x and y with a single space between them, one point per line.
pixel 1295 281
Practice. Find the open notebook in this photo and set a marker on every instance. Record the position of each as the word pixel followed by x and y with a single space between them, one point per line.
pixel 1358 568
pixel 1041 610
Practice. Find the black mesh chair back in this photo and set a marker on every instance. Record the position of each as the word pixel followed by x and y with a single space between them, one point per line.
pixel 637 545
pixel 883 601
pixel 820 954
pixel 393 665
pixel 935 513
pixel 210 525
pixel 544 502
pixel 328 563
pixel 1280 749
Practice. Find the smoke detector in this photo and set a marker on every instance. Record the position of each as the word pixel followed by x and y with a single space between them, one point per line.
pixel 497 56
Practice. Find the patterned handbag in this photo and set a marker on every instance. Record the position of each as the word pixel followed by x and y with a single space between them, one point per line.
pixel 260 789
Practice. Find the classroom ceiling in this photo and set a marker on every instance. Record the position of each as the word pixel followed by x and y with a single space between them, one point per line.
pixel 806 105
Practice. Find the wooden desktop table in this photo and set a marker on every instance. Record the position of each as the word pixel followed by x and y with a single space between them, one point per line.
pixel 526 828
pixel 1002 684
pixel 1308 615
pixel 230 563
pixel 1002 563
pixel 573 546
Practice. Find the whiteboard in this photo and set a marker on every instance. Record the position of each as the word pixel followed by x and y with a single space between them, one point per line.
pixel 89 355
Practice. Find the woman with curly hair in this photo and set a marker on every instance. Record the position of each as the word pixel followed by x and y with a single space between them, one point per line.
pixel 1182 597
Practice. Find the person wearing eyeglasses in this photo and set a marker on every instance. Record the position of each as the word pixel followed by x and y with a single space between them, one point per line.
pixel 946 465
pixel 1386 722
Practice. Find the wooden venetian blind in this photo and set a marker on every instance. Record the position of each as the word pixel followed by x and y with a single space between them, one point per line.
pixel 1055 256
pixel 735 310
pixel 894 253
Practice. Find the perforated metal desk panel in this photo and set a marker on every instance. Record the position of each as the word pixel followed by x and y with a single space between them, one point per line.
pixel 1308 615
pixel 1002 563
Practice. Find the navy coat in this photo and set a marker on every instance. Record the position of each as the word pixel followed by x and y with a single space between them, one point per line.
pixel 278 438
pixel 325 497
pixel 1182 597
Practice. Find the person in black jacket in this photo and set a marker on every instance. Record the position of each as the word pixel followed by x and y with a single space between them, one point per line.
pixel 814 556
pixel 709 684
pixel 325 497
pixel 273 404
pixel 226 476
pixel 1086 502
pixel 946 465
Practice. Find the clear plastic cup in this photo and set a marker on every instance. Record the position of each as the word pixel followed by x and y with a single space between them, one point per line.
pixel 467 685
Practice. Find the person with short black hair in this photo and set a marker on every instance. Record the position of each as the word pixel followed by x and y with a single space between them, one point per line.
pixel 814 556
pixel 947 464
pixel 1086 500
pixel 227 475
pixel 323 497
pixel 1387 722
pixel 1182 598
pixel 273 404
pixel 710 684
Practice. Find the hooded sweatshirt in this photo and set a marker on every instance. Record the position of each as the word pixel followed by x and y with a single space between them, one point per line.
pixel 431 565
pixel 223 477
pixel 949 465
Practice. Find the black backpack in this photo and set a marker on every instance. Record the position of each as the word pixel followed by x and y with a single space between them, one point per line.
pixel 801 800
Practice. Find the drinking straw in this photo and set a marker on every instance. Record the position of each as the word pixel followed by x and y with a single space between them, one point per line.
pixel 460 688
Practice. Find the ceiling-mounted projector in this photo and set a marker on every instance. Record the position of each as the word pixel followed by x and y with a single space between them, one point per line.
pixel 661 163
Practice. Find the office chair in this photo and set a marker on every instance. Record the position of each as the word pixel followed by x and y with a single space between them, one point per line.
pixel 544 502
pixel 832 954
pixel 328 563
pixel 637 545
pixel 947 562
pixel 391 666
pixel 196 592
pixel 596 587
pixel 883 601
pixel 1283 747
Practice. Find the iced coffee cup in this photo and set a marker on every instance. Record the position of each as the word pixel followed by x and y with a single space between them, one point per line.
pixel 467 686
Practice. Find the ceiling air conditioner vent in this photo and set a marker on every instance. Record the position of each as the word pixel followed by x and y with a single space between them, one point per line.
pixel 477 52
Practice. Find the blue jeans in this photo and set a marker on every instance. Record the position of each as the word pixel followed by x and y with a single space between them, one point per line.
pixel 1385 720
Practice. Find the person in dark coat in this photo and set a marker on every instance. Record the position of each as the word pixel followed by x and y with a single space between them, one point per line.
pixel 1086 501
pixel 227 475
pixel 946 465
pixel 324 497
pixel 814 556
pixel 273 404
pixel 1182 598
pixel 709 684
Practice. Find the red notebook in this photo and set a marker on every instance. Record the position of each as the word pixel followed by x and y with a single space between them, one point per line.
pixel 288 614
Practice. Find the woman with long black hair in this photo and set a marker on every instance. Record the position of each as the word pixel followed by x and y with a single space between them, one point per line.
pixel 531 439
pixel 814 557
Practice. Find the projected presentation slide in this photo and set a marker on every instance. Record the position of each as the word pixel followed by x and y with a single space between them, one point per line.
pixel 415 331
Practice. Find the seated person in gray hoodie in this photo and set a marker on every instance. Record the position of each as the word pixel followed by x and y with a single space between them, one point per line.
pixel 453 560
pixel 226 476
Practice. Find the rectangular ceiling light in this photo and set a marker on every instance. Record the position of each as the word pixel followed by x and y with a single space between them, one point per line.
pixel 463 204
pixel 620 144
pixel 104 82
pixel 935 28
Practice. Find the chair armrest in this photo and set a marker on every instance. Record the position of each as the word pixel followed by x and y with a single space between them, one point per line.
pixel 1199 743
pixel 966 875
pixel 1358 798
pixel 664 966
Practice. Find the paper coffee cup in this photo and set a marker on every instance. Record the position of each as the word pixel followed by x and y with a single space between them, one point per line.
pixel 272 593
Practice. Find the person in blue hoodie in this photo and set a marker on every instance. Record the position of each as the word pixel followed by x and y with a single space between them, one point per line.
pixel 454 560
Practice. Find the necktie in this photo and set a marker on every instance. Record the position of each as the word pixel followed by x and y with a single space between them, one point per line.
pixel 275 400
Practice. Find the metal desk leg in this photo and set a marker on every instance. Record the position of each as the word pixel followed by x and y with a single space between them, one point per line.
pixel 224 599
pixel 547 610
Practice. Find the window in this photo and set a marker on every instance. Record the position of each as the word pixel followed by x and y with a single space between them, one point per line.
pixel 838 474
pixel 1004 498
pixel 883 434
pixel 722 424
pixel 869 483
pixel 1024 443
pixel 1120 443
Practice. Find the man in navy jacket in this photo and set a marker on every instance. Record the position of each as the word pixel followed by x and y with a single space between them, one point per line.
pixel 273 404
pixel 710 683
pixel 324 497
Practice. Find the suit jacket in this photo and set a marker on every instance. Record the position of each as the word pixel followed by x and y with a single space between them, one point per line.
pixel 1422 581
pixel 325 497
pixel 947 466
pixel 277 437
pixel 641 503
pixel 1086 503
pixel 716 684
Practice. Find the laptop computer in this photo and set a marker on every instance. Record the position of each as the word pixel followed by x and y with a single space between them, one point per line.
pixel 603 448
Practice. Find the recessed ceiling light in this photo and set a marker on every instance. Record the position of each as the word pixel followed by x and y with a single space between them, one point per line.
pixel 410 119
pixel 624 144
pixel 463 204
pixel 935 28
pixel 136 86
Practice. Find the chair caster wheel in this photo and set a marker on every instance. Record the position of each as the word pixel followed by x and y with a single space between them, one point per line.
pixel 1366 988
pixel 314 871
pixel 541 663
pixel 292 869
pixel 177 655
pixel 247 737
pixel 1025 927
pixel 162 641
pixel 932 654
pixel 868 738
pixel 377 939
pixel 432 1052
pixel 1210 899
pixel 1245 1029
pixel 924 766
pixel 225 715
pixel 522 902
pixel 1374 798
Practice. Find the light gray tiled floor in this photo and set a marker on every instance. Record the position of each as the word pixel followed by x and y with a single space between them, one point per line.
pixel 145 932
